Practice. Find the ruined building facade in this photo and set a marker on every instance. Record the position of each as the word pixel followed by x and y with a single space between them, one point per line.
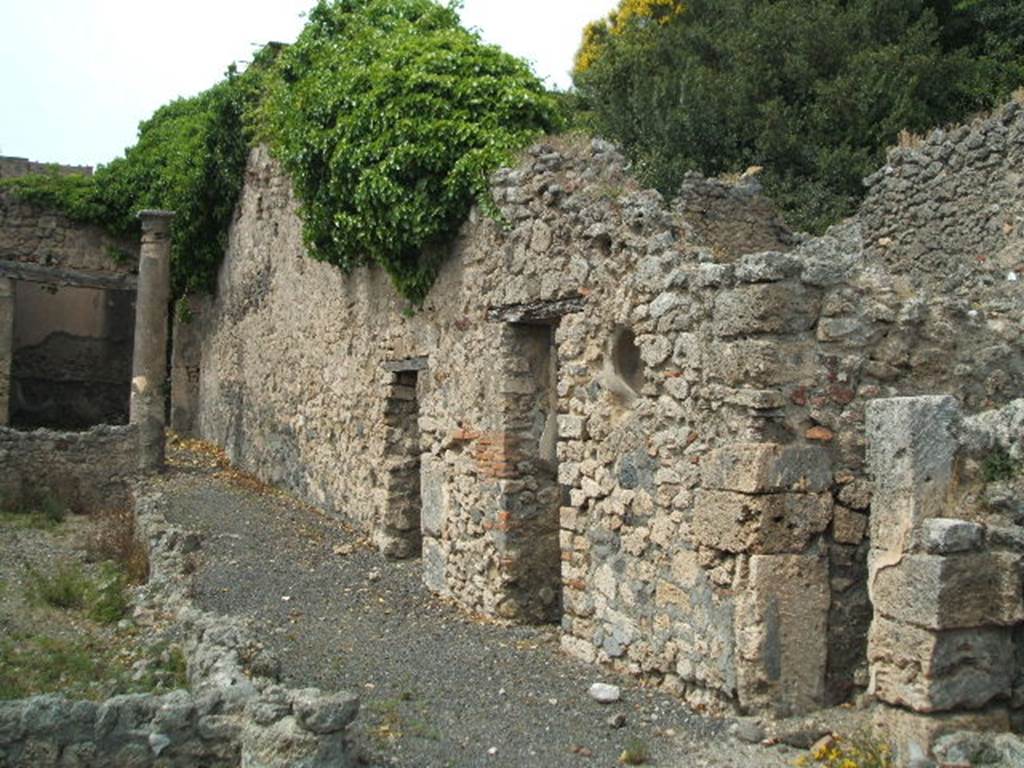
pixel 652 422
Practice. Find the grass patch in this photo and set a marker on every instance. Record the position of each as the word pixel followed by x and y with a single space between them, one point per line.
pixel 84 667
pixel 635 753
pixel 103 596
pixel 114 539
pixel 39 508
pixel 999 466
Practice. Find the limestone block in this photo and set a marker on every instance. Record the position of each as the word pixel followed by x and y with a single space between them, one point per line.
pixel 911 448
pixel 767 468
pixel 958 591
pixel 434 566
pixel 944 535
pixel 433 500
pixel 781 308
pixel 781 639
pixel 768 524
pixel 757 363
pixel 848 527
pixel 571 427
pixel 931 671
pixel 913 734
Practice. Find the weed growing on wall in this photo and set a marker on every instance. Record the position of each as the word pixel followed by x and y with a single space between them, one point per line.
pixel 389 118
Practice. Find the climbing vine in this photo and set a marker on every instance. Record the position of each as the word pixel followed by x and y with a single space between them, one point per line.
pixel 389 118
pixel 387 114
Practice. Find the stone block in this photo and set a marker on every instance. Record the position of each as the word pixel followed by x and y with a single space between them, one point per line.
pixel 932 671
pixel 781 639
pixel 911 448
pixel 767 468
pixel 6 346
pixel 943 535
pixel 913 734
pixel 433 500
pixel 777 308
pixel 767 524
pixel 848 527
pixel 571 427
pixel 757 362
pixel 953 592
pixel 434 562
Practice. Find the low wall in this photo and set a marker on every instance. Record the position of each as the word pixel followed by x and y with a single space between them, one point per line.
pixel 87 471
pixel 231 715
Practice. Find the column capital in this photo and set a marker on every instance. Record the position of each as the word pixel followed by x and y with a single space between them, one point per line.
pixel 155 220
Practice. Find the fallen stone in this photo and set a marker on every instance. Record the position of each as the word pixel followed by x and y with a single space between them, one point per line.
pixel 618 720
pixel 605 693
pixel 748 729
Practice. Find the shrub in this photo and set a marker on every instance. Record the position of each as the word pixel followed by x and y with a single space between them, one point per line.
pixel 389 118
pixel 113 538
pixel 67 587
pixel 812 90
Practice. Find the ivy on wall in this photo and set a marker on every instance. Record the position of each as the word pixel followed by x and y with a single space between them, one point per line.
pixel 387 114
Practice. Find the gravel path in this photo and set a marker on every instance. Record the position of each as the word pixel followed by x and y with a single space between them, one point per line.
pixel 438 688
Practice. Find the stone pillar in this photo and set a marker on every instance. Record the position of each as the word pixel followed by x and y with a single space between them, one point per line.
pixel 945 604
pixel 149 362
pixel 6 347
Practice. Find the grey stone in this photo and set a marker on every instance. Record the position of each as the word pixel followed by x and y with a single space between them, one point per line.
pixel 911 449
pixel 321 713
pixel 945 536
pixel 605 693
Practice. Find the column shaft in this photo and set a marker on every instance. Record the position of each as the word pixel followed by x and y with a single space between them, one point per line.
pixel 149 362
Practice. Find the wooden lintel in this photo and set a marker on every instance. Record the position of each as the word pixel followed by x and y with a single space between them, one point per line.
pixel 37 273
pixel 406 364
pixel 537 311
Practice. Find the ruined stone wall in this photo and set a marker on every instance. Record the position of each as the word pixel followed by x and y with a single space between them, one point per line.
pixel 945 568
pixel 707 413
pixel 86 471
pixel 73 294
pixel 11 167
pixel 35 235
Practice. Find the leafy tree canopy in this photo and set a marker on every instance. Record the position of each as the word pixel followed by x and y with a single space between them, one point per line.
pixel 813 90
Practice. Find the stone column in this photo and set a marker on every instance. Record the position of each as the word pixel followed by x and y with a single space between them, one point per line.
pixel 149 362
pixel 6 347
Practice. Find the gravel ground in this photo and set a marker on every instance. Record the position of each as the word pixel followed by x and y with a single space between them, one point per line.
pixel 438 688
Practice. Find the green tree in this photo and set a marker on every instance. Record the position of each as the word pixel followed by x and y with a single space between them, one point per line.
pixel 813 90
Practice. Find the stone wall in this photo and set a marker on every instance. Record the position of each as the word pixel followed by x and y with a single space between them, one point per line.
pixel 945 568
pixel 700 406
pixel 232 713
pixel 68 354
pixel 87 471
pixel 11 167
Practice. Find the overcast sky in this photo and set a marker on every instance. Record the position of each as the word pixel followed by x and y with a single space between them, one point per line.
pixel 77 76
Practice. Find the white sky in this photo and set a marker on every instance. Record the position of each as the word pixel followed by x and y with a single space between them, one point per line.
pixel 77 76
